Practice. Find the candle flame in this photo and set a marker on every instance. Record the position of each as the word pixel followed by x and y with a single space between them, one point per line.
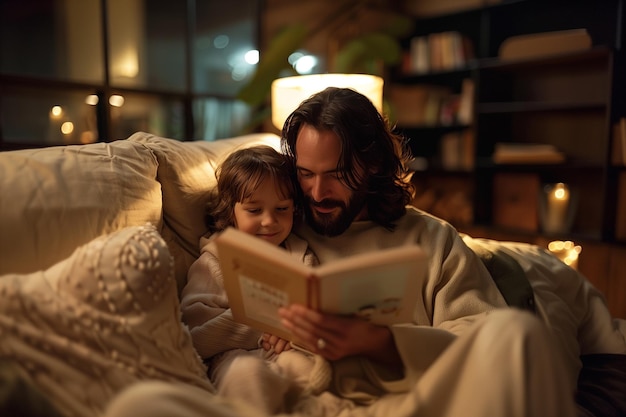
pixel 560 191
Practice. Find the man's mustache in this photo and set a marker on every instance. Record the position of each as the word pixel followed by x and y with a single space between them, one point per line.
pixel 327 204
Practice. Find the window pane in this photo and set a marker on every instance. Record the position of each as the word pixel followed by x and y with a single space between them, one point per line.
pixel 224 34
pixel 147 44
pixel 59 39
pixel 47 117
pixel 218 119
pixel 160 116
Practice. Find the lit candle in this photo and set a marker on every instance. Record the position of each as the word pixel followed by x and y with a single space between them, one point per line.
pixel 557 207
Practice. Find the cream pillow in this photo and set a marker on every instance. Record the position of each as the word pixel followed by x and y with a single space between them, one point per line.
pixel 97 322
pixel 54 199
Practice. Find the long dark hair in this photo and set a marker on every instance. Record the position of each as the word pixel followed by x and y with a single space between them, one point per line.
pixel 373 159
pixel 239 175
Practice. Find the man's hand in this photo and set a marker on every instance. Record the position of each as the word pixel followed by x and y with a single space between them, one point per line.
pixel 335 337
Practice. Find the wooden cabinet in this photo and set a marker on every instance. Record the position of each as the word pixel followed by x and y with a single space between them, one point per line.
pixel 563 95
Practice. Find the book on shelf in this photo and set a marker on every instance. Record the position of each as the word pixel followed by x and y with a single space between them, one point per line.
pixel 457 150
pixel 527 153
pixel 535 45
pixel 417 105
pixel 425 105
pixel 382 286
pixel 439 51
pixel 465 114
pixel 419 63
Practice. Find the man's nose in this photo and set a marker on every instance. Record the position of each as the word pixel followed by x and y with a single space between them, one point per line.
pixel 318 190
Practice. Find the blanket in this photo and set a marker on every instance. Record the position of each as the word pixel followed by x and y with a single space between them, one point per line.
pixel 94 325
pixel 90 326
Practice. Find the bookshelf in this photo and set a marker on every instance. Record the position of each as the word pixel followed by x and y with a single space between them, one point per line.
pixel 563 89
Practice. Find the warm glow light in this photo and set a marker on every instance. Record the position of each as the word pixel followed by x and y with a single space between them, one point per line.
pixel 67 128
pixel 289 92
pixel 556 211
pixel 56 112
pixel 116 100
pixel 561 192
pixel 566 251
pixel 91 99
pixel 127 63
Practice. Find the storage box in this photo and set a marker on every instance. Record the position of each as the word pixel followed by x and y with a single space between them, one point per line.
pixel 516 201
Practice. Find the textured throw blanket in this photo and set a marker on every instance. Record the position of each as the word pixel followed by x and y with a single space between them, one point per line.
pixel 103 319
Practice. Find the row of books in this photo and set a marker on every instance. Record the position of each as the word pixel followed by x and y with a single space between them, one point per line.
pixel 527 153
pixel 430 105
pixel 442 51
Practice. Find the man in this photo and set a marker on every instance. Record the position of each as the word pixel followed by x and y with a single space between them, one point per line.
pixel 350 168
pixel 465 354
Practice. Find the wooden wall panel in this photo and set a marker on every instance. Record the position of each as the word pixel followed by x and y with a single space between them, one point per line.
pixel 616 292
pixel 593 262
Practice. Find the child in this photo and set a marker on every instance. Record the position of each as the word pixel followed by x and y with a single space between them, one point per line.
pixel 255 193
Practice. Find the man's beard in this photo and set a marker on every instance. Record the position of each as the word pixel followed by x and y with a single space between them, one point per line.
pixel 335 223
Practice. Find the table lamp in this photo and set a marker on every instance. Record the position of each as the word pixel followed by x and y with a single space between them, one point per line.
pixel 289 92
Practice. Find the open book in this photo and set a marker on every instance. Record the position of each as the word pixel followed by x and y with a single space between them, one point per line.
pixel 381 286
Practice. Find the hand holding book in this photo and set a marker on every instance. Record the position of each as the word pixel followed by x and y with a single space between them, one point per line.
pixel 381 286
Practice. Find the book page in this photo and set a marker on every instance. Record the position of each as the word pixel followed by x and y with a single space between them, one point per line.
pixel 382 287
pixel 258 279
pixel 261 300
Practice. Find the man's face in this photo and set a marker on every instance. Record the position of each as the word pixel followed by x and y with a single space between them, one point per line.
pixel 329 205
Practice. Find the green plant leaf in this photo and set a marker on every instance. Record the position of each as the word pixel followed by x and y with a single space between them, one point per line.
pixel 360 54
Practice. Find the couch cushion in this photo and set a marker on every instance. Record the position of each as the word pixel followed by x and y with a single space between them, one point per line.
pixel 187 175
pixel 95 323
pixel 55 199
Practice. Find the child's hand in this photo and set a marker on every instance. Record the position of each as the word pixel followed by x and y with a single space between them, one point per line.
pixel 269 341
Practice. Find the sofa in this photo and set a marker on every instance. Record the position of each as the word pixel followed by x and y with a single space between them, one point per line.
pixel 95 244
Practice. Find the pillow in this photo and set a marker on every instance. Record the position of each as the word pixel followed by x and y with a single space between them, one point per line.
pixel 54 199
pixel 186 172
pixel 102 319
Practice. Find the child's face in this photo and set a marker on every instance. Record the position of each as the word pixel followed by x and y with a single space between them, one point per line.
pixel 265 214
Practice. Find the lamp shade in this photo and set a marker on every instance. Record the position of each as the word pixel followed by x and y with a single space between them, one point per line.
pixel 289 92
